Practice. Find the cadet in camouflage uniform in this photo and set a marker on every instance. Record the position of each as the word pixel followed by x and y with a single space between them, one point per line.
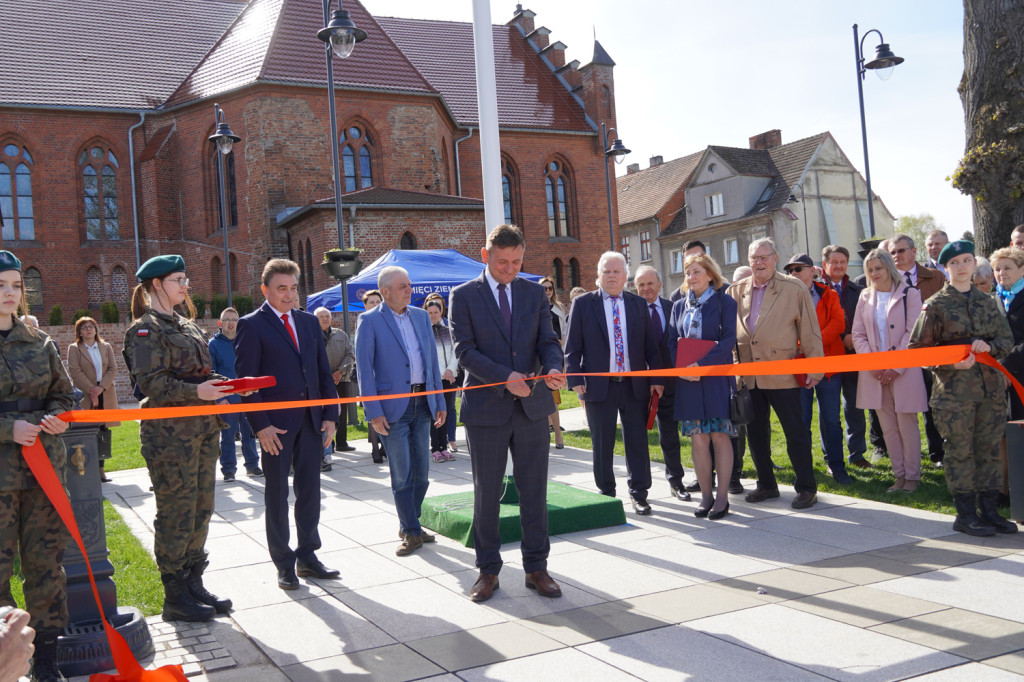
pixel 170 364
pixel 968 400
pixel 33 387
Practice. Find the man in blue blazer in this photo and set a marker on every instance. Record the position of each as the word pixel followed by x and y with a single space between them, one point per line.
pixel 501 325
pixel 395 354
pixel 610 331
pixel 286 343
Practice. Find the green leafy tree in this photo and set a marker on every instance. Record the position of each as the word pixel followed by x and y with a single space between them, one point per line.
pixel 917 228
pixel 56 316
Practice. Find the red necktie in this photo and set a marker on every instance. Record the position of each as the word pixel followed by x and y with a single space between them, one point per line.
pixel 291 332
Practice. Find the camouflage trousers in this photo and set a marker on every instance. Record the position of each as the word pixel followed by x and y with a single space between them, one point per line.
pixel 971 433
pixel 29 521
pixel 183 469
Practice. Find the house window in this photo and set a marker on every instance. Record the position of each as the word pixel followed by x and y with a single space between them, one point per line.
pixel 556 268
pixel 16 215
pixel 509 190
pixel 624 247
pixel 574 272
pixel 408 242
pixel 230 193
pixel 645 245
pixel 99 189
pixel 357 157
pixel 558 190
pixel 33 288
pixel 732 251
pixel 714 205
pixel 677 261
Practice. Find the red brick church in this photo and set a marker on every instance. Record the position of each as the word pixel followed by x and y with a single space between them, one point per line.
pixel 105 111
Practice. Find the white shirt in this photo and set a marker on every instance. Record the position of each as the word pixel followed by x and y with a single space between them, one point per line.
pixel 881 321
pixel 291 320
pixel 417 373
pixel 493 283
pixel 97 359
pixel 612 366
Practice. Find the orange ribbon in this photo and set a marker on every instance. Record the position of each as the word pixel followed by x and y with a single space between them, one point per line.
pixel 130 670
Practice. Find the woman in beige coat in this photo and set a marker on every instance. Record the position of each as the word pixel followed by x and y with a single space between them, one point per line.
pixel 886 313
pixel 92 370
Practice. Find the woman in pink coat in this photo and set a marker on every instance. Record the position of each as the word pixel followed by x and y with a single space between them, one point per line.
pixel 886 313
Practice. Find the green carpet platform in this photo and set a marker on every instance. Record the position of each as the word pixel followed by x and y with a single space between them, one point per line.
pixel 569 509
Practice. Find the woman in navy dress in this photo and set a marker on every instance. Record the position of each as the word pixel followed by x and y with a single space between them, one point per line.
pixel 702 404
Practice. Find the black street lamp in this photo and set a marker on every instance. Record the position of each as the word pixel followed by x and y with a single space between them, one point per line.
pixel 617 151
pixel 340 36
pixel 225 140
pixel 882 65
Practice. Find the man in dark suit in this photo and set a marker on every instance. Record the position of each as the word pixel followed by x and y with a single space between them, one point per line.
pixel 928 282
pixel 502 329
pixel 834 261
pixel 648 285
pixel 610 331
pixel 286 343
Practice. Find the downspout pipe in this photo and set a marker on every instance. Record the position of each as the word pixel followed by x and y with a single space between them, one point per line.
pixel 458 173
pixel 135 203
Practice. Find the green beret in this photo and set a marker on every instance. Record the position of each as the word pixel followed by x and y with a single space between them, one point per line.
pixel 8 261
pixel 954 249
pixel 158 266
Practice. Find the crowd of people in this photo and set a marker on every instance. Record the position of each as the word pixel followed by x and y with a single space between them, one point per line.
pixel 520 343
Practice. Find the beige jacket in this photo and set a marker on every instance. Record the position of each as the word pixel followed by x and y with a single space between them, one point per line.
pixel 83 375
pixel 787 324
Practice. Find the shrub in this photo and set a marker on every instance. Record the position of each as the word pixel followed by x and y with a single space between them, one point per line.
pixel 56 316
pixel 80 314
pixel 109 314
pixel 243 304
pixel 199 301
pixel 217 304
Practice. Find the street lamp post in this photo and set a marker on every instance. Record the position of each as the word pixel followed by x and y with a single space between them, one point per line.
pixel 617 151
pixel 340 36
pixel 882 65
pixel 225 140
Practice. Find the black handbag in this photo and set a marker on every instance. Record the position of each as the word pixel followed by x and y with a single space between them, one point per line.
pixel 741 405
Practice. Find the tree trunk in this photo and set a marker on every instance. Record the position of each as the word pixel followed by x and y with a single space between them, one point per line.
pixel 992 93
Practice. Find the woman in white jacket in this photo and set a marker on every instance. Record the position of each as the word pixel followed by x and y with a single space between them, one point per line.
pixel 448 365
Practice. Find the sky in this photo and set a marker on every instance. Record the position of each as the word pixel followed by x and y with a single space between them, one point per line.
pixel 693 73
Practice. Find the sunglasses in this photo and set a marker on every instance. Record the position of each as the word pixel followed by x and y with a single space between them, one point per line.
pixel 900 251
pixel 549 289
pixel 797 268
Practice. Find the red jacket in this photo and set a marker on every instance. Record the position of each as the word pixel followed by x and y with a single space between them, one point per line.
pixel 831 320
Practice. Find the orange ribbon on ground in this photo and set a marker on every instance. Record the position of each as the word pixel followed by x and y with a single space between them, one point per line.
pixel 129 669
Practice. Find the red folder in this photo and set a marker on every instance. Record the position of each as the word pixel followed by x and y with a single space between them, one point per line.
pixel 652 411
pixel 247 384
pixel 689 351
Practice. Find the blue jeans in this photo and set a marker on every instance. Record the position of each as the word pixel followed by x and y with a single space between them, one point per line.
pixel 408 447
pixel 228 458
pixel 856 426
pixel 829 392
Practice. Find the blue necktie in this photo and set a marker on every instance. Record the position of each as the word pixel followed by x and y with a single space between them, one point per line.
pixel 505 308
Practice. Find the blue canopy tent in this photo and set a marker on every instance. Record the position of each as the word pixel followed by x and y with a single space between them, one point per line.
pixel 430 270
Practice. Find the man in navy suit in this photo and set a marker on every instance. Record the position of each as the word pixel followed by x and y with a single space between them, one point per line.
pixel 286 343
pixel 648 285
pixel 389 334
pixel 610 331
pixel 501 325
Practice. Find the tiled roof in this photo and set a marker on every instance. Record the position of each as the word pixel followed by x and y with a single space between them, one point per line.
pixel 601 55
pixel 529 94
pixel 641 195
pixel 677 225
pixel 372 196
pixel 104 53
pixel 745 161
pixel 276 40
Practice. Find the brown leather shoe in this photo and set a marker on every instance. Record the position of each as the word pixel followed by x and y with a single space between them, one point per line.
pixel 484 587
pixel 804 500
pixel 543 583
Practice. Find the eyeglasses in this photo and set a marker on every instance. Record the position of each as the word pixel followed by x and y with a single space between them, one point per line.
pixel 549 289
pixel 180 281
pixel 761 259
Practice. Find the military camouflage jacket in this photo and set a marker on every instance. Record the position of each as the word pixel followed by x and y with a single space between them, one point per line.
pixel 953 317
pixel 169 357
pixel 31 369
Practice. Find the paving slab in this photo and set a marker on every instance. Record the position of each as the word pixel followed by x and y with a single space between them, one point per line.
pixel 964 633
pixel 482 646
pixel 862 568
pixel 395 663
pixel 1013 663
pixel 763 545
pixel 975 672
pixel 513 600
pixel 780 584
pixel 613 577
pixel 823 646
pixel 593 623
pixel 865 607
pixel 567 663
pixel 691 603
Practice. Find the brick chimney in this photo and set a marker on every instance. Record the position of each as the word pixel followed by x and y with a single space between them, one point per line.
pixel 657 161
pixel 523 18
pixel 767 140
pixel 632 168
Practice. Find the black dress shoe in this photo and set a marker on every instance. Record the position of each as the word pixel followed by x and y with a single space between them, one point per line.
pixel 715 515
pixel 761 494
pixel 287 580
pixel 701 512
pixel 344 447
pixel 314 568
pixel 641 507
pixel 736 488
pixel 804 500
pixel 680 493
pixel 692 487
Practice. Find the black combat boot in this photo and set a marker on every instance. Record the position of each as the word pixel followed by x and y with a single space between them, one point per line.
pixel 200 593
pixel 44 663
pixel 988 501
pixel 179 604
pixel 967 520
